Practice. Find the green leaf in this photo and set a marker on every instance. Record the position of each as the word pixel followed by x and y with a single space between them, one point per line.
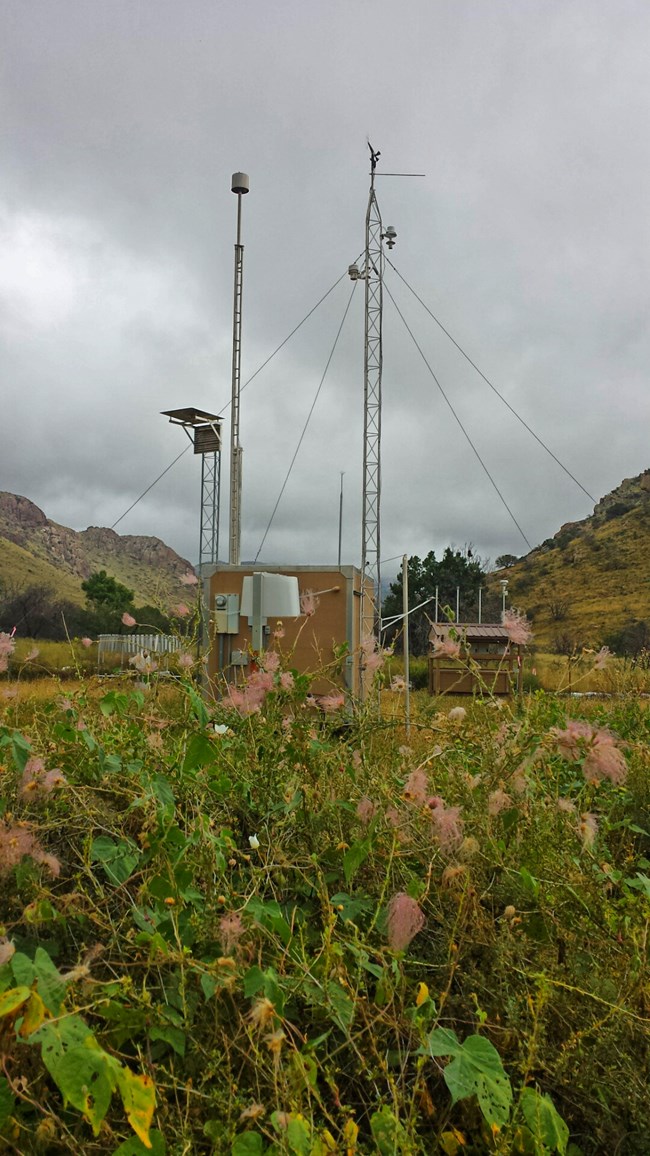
pixel 640 883
pixel 11 1000
pixel 51 987
pixel 342 1005
pixel 162 791
pixel 200 753
pixel 544 1120
pixel 170 1035
pixel 387 1132
pixel 253 981
pixel 298 1136
pixel 118 858
pixel 354 857
pixel 208 985
pixel 476 1069
pixel 23 969
pixel 21 751
pixel 85 1076
pixel 348 907
pixel 443 1042
pixel 134 1147
pixel 531 885
pixel 199 709
pixel 247 1144
pixel 138 1094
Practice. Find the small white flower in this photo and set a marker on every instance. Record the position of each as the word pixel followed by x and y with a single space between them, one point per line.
pixel 253 842
pixel 222 729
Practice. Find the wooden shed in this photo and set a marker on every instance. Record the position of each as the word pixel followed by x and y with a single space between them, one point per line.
pixel 489 662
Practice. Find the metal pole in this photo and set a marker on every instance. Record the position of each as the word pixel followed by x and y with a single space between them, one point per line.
pixel 407 651
pixel 341 517
pixel 240 185
pixel 457 603
pixel 257 640
pixel 480 604
pixel 436 603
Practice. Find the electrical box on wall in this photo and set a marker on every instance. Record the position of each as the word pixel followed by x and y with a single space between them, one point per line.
pixel 226 613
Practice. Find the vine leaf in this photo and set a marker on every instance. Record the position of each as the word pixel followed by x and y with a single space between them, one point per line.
pixel 139 1098
pixel 475 1069
pixel 544 1120
pixel 86 1078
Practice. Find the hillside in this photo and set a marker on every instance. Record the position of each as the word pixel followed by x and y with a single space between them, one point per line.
pixel 37 551
pixel 592 579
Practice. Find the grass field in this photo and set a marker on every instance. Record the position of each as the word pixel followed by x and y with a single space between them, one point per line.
pixel 290 928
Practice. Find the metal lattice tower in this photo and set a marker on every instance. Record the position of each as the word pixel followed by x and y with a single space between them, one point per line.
pixel 240 186
pixel 204 431
pixel 210 494
pixel 372 366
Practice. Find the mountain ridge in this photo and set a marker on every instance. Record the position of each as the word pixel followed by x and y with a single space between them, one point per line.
pixel 38 551
pixel 591 580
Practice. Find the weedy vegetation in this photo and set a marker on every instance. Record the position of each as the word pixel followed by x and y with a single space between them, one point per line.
pixel 272 925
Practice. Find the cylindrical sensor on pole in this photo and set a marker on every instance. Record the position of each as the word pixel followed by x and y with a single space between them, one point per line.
pixel 240 183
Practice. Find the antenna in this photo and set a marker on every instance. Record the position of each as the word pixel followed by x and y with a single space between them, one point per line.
pixel 240 186
pixel 373 275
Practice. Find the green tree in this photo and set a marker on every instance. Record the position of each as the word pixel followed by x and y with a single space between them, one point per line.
pixel 457 569
pixel 505 561
pixel 104 592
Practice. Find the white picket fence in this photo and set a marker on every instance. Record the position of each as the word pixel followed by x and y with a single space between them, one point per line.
pixel 127 645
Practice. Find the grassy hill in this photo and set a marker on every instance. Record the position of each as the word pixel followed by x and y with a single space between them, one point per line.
pixel 35 551
pixel 592 579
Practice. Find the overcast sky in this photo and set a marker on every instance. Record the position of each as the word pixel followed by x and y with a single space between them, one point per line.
pixel 121 123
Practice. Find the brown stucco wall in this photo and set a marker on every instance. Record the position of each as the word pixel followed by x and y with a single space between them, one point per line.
pixel 308 643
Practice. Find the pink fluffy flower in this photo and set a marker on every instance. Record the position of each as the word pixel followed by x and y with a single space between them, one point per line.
pixel 366 810
pixel 517 627
pixel 261 680
pixel 86 642
pixel 446 648
pixel 16 842
pixel 185 661
pixel 571 741
pixel 36 781
pixel 7 949
pixel 397 684
pixel 244 701
pixel 143 663
pixel 457 713
pixel 405 919
pixel 416 787
pixel 188 579
pixel 248 699
pixel 308 603
pixel 602 758
pixel 270 660
pixel 286 680
pixel 588 829
pixel 602 658
pixel 372 656
pixel 446 823
pixel 128 619
pixel 331 702
pixel 498 801
pixel 7 645
pixel 181 610
pixel 231 930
